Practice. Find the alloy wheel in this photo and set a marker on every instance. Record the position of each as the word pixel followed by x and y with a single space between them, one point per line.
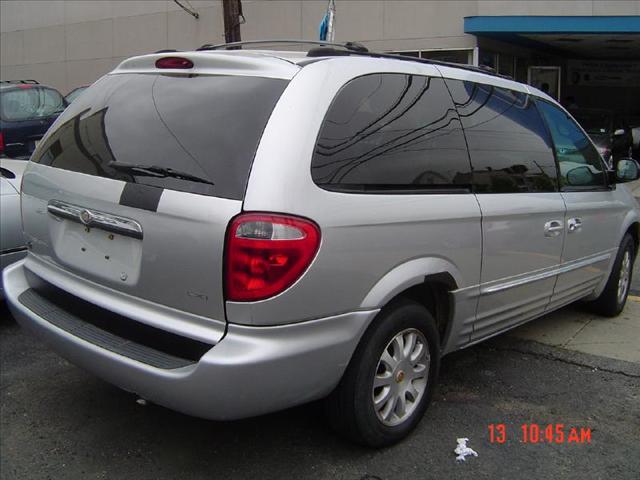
pixel 401 377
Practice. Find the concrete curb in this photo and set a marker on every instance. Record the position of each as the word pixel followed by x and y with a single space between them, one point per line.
pixel 568 356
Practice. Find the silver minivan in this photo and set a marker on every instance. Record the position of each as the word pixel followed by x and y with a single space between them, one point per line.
pixel 233 232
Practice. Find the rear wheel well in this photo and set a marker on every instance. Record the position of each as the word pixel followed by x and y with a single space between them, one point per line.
pixel 434 295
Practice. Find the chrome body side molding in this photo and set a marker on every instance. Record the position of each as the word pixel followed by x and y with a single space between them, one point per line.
pixel 536 276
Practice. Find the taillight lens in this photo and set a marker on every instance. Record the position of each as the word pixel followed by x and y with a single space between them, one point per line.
pixel 1 143
pixel 266 253
pixel 174 62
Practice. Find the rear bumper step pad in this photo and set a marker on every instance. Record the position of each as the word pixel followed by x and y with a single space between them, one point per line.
pixel 52 313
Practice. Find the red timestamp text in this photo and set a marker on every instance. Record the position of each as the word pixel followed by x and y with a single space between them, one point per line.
pixel 556 433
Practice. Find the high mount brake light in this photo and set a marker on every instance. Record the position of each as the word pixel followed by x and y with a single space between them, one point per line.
pixel 174 62
pixel 266 254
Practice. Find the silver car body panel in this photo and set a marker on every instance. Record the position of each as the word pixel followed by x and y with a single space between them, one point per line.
pixel 164 272
pixel 38 271
pixel 12 245
pixel 250 372
pixel 599 213
pixel 294 347
pixel 515 248
pixel 430 234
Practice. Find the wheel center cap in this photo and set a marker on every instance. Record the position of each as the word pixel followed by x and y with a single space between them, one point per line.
pixel 399 376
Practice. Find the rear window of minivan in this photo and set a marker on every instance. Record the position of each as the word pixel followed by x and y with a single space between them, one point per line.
pixel 195 133
pixel 28 103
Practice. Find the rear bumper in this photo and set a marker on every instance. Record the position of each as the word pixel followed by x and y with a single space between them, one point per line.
pixel 251 371
pixel 7 259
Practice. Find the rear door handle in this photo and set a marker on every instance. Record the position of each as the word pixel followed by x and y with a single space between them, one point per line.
pixel 574 224
pixel 553 228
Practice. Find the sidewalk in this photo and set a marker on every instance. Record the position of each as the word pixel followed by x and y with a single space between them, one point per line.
pixel 574 328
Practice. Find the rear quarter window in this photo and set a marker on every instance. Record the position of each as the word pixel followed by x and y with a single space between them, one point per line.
pixel 391 132
pixel 202 127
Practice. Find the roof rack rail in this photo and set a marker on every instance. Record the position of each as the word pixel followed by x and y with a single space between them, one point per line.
pixel 328 52
pixel 349 46
pixel 32 82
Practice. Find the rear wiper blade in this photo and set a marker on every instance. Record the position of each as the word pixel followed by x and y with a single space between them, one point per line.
pixel 157 171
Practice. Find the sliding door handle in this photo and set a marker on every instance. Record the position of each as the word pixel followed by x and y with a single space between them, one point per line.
pixel 574 224
pixel 553 228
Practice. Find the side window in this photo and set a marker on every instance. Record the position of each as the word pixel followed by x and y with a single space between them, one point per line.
pixel 509 145
pixel 391 132
pixel 579 161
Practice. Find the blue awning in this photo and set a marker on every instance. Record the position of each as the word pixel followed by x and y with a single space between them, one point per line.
pixel 513 25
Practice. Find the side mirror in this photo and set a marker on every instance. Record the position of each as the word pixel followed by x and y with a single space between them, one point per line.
pixel 619 132
pixel 627 170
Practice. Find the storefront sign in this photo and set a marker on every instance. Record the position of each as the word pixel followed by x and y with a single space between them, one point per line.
pixel 610 73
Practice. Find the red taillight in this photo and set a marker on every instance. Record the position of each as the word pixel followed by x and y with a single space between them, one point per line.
pixel 174 62
pixel 1 143
pixel 25 86
pixel 266 253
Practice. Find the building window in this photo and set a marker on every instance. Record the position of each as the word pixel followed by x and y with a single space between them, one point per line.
pixel 506 65
pixel 462 56
pixel 488 59
pixel 453 56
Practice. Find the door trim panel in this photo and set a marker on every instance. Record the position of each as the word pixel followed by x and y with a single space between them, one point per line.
pixel 546 273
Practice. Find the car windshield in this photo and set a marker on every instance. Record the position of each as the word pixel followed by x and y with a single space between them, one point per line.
pixel 594 122
pixel 27 102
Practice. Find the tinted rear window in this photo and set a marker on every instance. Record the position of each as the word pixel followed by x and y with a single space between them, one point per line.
pixel 27 102
pixel 392 132
pixel 510 148
pixel 202 126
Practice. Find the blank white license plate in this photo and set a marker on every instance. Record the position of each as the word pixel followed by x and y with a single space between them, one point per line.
pixel 96 251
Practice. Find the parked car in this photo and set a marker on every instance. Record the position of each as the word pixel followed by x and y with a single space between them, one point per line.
pixel 229 234
pixel 27 110
pixel 12 245
pixel 73 94
pixel 610 133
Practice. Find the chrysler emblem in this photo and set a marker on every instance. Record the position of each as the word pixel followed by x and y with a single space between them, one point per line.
pixel 86 216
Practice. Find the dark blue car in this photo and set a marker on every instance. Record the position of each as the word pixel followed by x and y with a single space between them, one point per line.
pixel 27 110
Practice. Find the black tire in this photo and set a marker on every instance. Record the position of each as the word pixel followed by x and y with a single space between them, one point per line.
pixel 609 303
pixel 350 408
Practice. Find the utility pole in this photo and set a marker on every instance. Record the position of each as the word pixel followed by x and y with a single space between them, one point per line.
pixel 232 12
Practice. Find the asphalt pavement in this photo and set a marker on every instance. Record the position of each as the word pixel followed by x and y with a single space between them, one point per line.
pixel 58 422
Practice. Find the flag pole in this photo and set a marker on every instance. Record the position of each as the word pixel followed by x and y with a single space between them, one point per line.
pixel 328 24
pixel 331 24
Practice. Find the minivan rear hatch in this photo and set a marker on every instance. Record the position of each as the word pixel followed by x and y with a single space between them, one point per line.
pixel 134 185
